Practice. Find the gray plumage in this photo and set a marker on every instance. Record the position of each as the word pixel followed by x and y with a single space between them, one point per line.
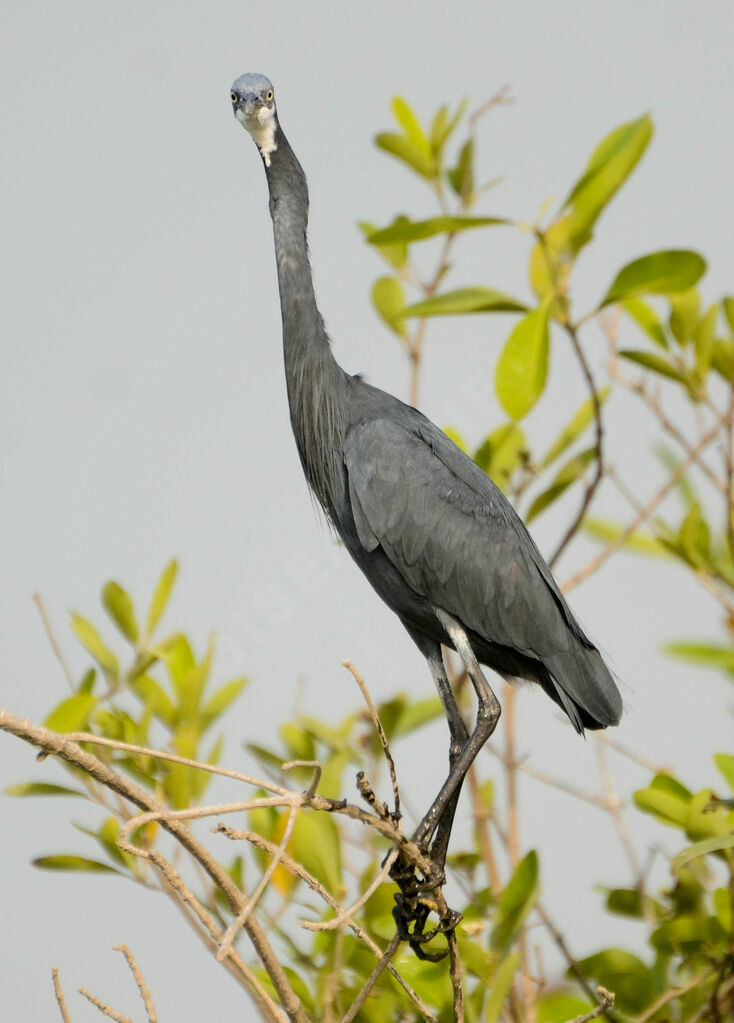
pixel 435 537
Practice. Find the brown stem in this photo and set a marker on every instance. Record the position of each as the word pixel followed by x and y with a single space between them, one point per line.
pixel 596 479
pixel 595 564
pixel 60 995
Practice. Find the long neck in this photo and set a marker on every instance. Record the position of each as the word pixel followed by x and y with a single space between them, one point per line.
pixel 316 383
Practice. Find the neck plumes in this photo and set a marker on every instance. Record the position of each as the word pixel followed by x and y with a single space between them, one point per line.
pixel 316 384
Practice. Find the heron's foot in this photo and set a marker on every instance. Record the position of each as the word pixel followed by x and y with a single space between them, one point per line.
pixel 414 904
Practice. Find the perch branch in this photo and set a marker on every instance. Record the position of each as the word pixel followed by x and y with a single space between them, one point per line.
pixel 60 995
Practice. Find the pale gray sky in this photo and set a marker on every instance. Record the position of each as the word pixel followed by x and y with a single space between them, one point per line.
pixel 143 405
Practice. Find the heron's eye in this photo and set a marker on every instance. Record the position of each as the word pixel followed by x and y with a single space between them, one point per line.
pixel 233 96
pixel 269 95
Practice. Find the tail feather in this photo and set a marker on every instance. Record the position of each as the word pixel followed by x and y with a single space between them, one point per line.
pixel 580 682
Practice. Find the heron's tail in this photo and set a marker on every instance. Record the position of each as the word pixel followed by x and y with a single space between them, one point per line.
pixel 580 682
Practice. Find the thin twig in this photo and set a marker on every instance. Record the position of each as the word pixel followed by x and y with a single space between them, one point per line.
pixel 372 979
pixel 607 1001
pixel 614 806
pixel 563 948
pixel 242 917
pixel 455 974
pixel 60 995
pixel 127 747
pixel 38 601
pixel 331 925
pixel 105 1009
pixel 513 827
pixel 669 995
pixel 596 563
pixel 593 484
pixel 481 817
pixel 381 733
pixel 138 978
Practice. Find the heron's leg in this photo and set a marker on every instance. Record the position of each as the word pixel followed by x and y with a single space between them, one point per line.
pixel 431 650
pixel 459 739
pixel 488 713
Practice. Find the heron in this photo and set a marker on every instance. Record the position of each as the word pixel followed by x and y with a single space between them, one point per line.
pixel 436 538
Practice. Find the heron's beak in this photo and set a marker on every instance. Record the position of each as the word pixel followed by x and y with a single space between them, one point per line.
pixel 247 110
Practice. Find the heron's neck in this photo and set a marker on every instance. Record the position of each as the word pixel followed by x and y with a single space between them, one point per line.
pixel 316 383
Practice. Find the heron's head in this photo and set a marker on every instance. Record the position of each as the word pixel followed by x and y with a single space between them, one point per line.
pixel 253 104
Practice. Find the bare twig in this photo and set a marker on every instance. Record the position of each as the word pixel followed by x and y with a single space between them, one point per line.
pixel 607 1001
pixel 98 740
pixel 455 974
pixel 242 917
pixel 138 978
pixel 593 484
pixel 481 818
pixel 669 996
pixel 596 563
pixel 380 732
pixel 563 948
pixel 614 806
pixel 330 925
pixel 38 601
pixel 105 1009
pixel 372 980
pixel 60 995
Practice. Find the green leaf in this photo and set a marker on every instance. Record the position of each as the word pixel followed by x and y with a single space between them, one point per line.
pixel 160 596
pixel 88 679
pixel 659 273
pixel 405 149
pixel 560 1007
pixel 403 229
pixel 443 126
pixel 90 640
pixel 315 843
pixel 695 538
pixel 727 304
pixel 42 788
pixel 703 337
pixel 224 697
pixel 703 848
pixel 523 364
pixel 461 177
pixel 567 475
pixel 646 317
pixel 396 255
pixel 610 164
pixel 722 904
pixel 119 607
pixel 640 543
pixel 388 299
pixel 154 697
pixel 708 655
pixel 457 438
pixel 416 714
pixel 407 119
pixel 666 799
pixel 62 861
pixel 624 973
pixel 501 983
pixel 723 357
pixel 72 714
pixel 656 363
pixel 465 300
pixel 515 903
pixel 725 764
pixel 685 310
pixel 501 452
pixel 573 429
